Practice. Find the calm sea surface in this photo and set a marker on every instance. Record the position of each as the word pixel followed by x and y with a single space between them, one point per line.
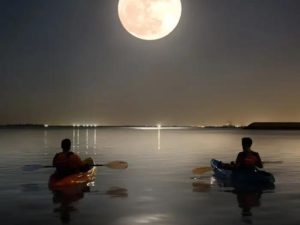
pixel 158 186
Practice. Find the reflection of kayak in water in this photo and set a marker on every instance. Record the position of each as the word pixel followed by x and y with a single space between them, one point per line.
pixel 57 182
pixel 248 186
pixel 242 179
pixel 65 196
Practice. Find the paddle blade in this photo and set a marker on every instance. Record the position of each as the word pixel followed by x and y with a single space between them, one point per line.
pixel 201 170
pixel 117 165
pixel 32 167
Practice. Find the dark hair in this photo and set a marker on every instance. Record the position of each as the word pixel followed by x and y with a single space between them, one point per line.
pixel 66 144
pixel 246 142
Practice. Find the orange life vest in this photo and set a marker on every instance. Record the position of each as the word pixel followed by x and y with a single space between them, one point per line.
pixel 67 163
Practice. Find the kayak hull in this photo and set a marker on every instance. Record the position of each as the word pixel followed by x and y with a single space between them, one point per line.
pixel 57 182
pixel 242 179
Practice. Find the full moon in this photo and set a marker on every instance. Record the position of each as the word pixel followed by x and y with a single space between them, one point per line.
pixel 149 19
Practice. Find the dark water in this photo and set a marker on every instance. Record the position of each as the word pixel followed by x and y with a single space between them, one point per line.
pixel 157 187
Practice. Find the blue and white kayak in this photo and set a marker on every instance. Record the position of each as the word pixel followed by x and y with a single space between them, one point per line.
pixel 240 178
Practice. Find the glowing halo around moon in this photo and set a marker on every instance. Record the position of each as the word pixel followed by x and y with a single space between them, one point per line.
pixel 149 19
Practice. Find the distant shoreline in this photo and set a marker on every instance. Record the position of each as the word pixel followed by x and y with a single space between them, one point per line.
pixel 111 126
pixel 252 126
pixel 274 126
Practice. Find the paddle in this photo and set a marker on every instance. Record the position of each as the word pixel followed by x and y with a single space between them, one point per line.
pixel 111 165
pixel 204 169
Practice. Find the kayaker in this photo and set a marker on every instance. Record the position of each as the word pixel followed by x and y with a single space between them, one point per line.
pixel 67 162
pixel 248 159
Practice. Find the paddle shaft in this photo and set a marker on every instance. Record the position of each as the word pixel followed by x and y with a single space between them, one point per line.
pixel 111 165
pixel 90 165
pixel 204 169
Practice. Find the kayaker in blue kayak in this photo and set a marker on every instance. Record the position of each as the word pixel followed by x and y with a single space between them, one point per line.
pixel 248 159
pixel 244 173
pixel 67 162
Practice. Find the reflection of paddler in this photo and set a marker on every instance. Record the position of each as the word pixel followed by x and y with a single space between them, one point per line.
pixel 69 194
pixel 247 200
pixel 65 197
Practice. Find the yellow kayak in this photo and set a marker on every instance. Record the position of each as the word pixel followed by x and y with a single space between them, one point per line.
pixel 56 182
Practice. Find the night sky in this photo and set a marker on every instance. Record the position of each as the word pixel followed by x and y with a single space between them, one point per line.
pixel 71 61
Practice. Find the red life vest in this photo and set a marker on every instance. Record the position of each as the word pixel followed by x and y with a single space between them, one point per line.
pixel 67 162
pixel 250 160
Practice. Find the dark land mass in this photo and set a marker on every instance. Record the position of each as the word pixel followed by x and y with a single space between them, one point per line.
pixel 274 126
pixel 22 126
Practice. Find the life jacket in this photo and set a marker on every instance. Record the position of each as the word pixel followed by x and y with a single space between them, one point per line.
pixel 67 163
pixel 250 160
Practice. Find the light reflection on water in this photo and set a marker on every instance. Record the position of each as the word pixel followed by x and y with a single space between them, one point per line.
pixel 157 187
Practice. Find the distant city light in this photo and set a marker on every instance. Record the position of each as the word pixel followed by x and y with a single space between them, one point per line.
pixel 85 125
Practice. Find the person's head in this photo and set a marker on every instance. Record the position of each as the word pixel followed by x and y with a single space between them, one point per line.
pixel 246 142
pixel 66 145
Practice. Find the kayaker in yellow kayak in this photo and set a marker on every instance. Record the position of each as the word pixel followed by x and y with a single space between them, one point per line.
pixel 67 162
